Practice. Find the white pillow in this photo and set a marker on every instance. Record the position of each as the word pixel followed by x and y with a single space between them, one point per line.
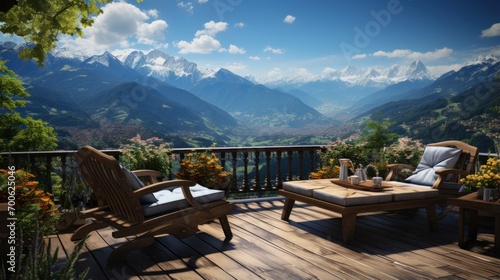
pixel 434 158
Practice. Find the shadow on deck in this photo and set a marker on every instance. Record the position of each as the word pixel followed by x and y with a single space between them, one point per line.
pixel 386 245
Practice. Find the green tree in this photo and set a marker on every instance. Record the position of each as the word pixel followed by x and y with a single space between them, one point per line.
pixel 377 135
pixel 40 22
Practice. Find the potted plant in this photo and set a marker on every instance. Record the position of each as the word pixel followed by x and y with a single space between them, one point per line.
pixel 486 181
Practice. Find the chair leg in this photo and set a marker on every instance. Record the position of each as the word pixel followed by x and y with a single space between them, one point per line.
pixel 224 222
pixel 84 230
pixel 120 253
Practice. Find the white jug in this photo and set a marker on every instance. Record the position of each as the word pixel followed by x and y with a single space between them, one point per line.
pixel 344 167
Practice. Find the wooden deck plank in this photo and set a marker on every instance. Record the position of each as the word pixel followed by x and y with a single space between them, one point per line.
pixel 309 246
pixel 360 263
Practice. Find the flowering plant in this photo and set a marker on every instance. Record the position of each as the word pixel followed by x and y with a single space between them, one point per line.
pixel 151 153
pixel 34 208
pixel 329 170
pixel 487 177
pixel 203 168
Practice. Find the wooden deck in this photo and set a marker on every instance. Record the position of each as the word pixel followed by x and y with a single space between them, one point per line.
pixel 386 246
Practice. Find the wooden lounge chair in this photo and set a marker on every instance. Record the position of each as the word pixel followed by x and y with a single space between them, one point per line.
pixel 446 180
pixel 177 207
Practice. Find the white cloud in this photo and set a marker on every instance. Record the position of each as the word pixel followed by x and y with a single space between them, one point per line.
pixel 239 25
pixel 437 54
pixel 188 7
pixel 289 19
pixel 235 50
pixel 150 33
pixel 272 50
pixel 359 56
pixel 204 41
pixel 120 24
pixel 202 1
pixel 493 31
pixel 256 58
pixel 329 70
pixel 203 44
pixel 212 28
pixel 153 13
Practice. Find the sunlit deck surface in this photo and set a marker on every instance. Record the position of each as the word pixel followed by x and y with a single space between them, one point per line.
pixel 386 246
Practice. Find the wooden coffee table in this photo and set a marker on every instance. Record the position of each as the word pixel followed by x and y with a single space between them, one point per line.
pixel 472 204
pixel 349 202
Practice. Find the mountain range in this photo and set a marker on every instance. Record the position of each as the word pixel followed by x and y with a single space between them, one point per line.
pixel 164 95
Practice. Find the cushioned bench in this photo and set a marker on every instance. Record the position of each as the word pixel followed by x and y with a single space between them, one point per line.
pixel 349 202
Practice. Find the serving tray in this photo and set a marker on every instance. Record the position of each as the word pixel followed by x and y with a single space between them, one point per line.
pixel 365 186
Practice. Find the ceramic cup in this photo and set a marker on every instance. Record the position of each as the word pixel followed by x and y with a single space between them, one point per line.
pixel 353 179
pixel 377 181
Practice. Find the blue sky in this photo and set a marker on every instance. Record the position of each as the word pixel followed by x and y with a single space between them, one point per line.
pixel 268 39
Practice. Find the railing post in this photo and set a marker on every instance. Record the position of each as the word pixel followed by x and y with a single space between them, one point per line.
pixel 48 178
pixel 311 163
pixel 246 186
pixel 279 183
pixel 301 157
pixel 63 169
pixel 267 182
pixel 289 176
pixel 234 158
pixel 257 177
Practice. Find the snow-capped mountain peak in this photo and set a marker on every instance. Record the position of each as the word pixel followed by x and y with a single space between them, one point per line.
pixel 488 59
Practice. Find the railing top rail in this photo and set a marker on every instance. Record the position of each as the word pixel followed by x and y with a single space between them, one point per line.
pixel 179 150
pixel 252 148
pixel 53 153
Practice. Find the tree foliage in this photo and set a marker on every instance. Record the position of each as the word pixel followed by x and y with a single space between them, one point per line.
pixel 18 133
pixel 377 135
pixel 40 22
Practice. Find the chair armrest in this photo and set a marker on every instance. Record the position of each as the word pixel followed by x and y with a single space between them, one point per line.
pixel 448 171
pixel 88 212
pixel 147 172
pixel 445 172
pixel 163 185
pixel 394 167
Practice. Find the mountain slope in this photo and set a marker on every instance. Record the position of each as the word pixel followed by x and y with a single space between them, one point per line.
pixel 133 103
pixel 256 103
pixel 53 107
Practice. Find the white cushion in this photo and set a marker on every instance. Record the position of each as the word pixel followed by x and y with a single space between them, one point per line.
pixel 136 184
pixel 172 199
pixel 434 158
pixel 349 197
pixel 305 187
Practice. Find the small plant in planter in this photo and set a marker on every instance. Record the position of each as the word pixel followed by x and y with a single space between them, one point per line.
pixel 151 153
pixel 487 177
pixel 204 168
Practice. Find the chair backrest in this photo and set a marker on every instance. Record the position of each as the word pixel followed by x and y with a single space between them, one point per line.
pixel 109 184
pixel 468 157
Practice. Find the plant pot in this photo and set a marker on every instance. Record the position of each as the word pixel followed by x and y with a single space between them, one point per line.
pixel 488 194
